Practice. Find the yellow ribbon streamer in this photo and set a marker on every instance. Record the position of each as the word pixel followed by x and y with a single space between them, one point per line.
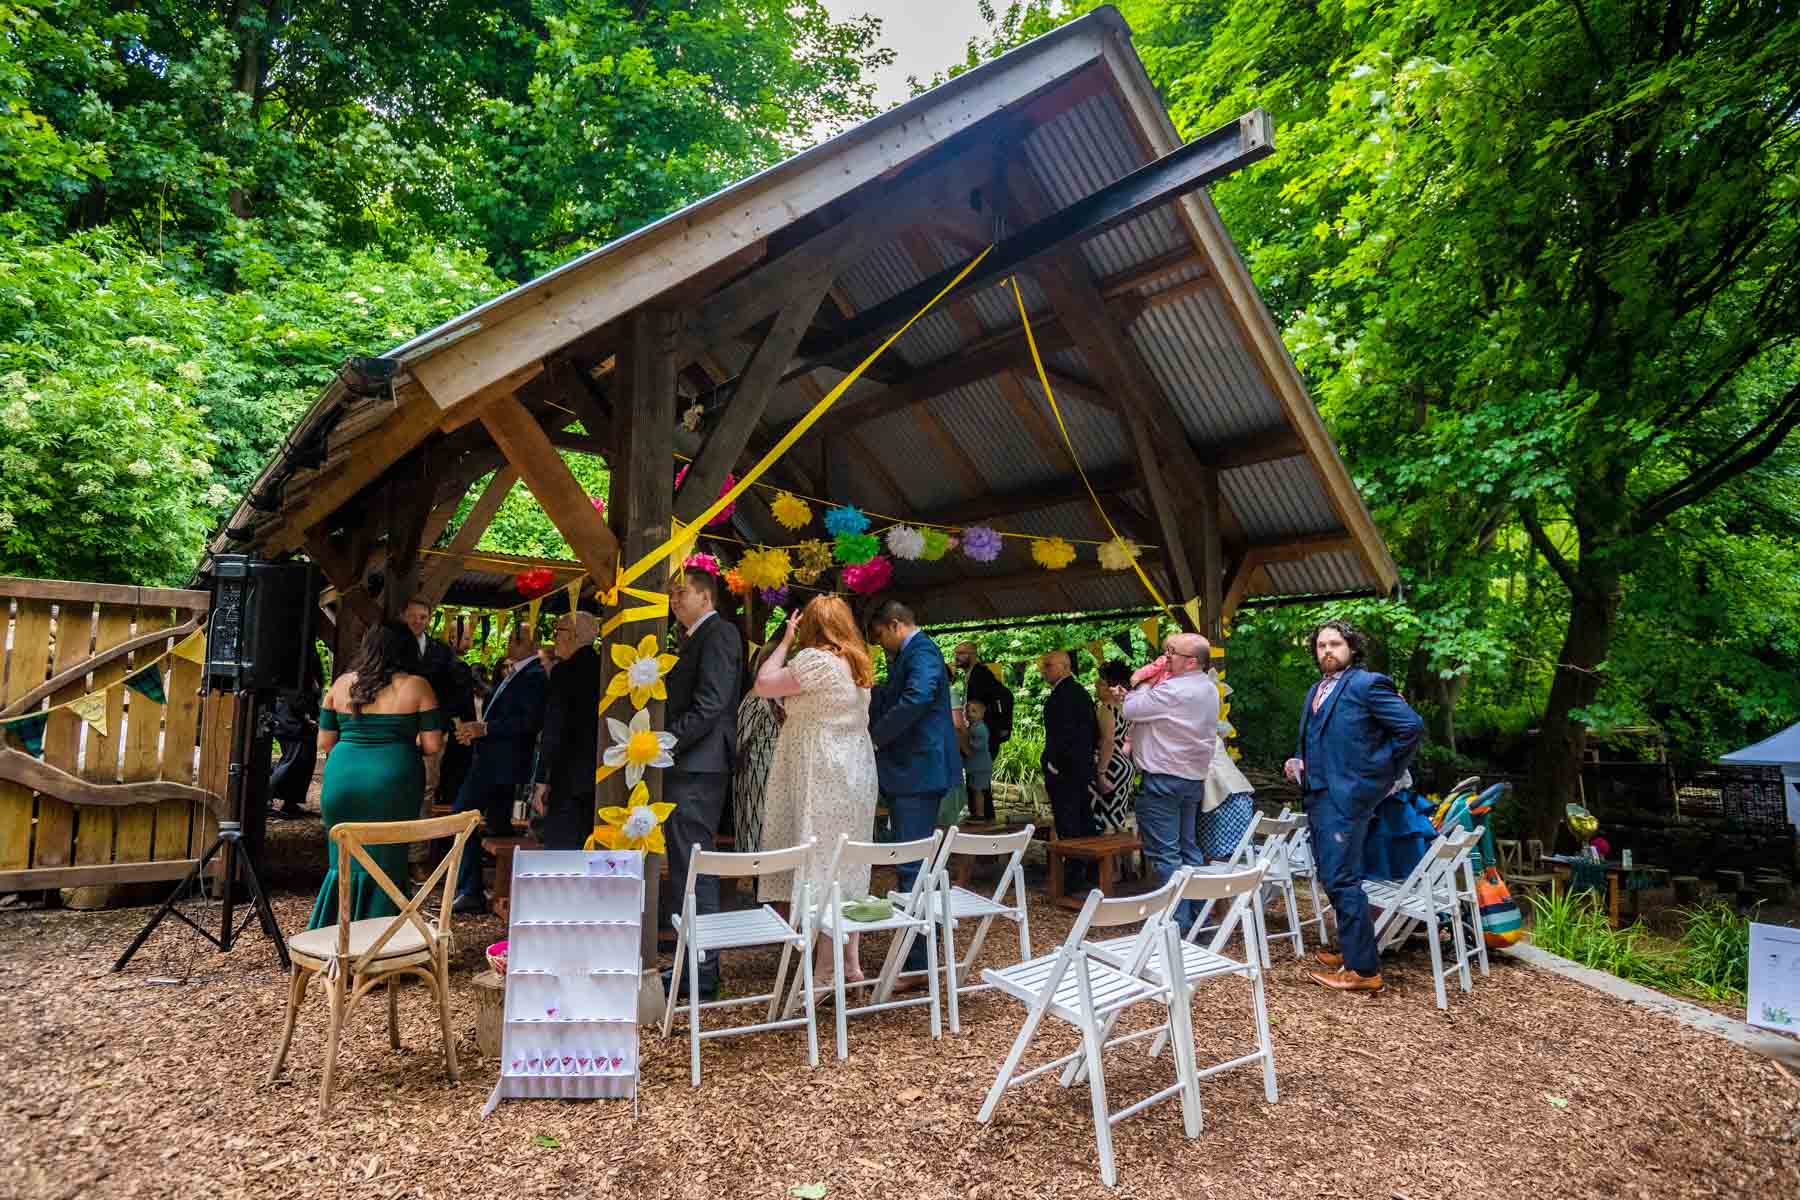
pixel 657 606
pixel 793 435
pixel 1044 382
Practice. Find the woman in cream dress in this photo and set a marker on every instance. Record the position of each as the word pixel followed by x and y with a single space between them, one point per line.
pixel 822 782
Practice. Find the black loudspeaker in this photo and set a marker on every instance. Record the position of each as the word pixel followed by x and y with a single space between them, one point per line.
pixel 259 633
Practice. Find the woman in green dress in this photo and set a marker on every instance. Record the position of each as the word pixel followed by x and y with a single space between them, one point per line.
pixel 374 724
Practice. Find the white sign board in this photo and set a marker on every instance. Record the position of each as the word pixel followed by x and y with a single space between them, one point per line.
pixel 1774 998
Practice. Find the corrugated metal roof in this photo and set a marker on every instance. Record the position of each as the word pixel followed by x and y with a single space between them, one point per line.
pixel 1320 575
pixel 1278 499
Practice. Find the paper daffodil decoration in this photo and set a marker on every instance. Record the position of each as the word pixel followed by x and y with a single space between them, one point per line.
pixel 791 510
pixel 981 543
pixel 856 547
pixel 903 541
pixel 637 746
pixel 937 543
pixel 1118 554
pixel 813 559
pixel 846 518
pixel 1052 553
pixel 641 668
pixel 637 827
pixel 765 568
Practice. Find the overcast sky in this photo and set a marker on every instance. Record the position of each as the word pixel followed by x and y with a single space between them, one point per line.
pixel 925 35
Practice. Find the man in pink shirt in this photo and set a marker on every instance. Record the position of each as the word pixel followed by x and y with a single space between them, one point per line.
pixel 1173 707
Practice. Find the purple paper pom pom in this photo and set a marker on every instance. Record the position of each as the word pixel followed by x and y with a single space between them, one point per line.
pixel 981 543
pixel 774 597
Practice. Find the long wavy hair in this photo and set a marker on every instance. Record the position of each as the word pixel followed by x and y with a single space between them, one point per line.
pixel 387 650
pixel 827 624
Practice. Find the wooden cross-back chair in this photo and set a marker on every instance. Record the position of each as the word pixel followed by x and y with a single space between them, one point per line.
pixel 354 957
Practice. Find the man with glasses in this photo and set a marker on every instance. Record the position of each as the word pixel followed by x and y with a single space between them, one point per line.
pixel 1173 707
pixel 562 790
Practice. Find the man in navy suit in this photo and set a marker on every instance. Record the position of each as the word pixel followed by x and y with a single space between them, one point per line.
pixel 1356 738
pixel 502 742
pixel 916 753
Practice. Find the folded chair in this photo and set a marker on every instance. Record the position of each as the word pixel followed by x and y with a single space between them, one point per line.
pixel 1267 843
pixel 916 912
pixel 1088 990
pixel 966 905
pixel 698 934
pixel 355 956
pixel 1434 889
pixel 1302 866
pixel 1240 891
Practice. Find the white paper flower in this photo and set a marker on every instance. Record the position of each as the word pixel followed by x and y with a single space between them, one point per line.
pixel 637 746
pixel 903 541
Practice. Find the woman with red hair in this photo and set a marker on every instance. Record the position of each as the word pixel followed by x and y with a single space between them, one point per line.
pixel 822 781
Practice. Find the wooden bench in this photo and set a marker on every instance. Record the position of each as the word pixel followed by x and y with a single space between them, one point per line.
pixel 962 867
pixel 1106 850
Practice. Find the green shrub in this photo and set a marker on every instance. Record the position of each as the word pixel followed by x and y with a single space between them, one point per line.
pixel 1711 960
pixel 1715 952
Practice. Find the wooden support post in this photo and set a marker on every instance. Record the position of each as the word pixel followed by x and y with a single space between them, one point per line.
pixel 442 571
pixel 1210 554
pixel 527 447
pixel 409 502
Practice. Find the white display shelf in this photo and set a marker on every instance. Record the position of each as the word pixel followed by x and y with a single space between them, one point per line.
pixel 574 971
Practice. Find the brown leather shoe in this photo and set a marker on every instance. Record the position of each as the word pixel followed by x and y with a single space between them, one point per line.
pixel 1331 960
pixel 1347 981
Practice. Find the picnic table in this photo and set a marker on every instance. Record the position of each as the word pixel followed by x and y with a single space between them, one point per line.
pixel 1566 865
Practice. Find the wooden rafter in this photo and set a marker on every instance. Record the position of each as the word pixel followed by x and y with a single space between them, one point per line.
pixel 527 447
pixel 443 572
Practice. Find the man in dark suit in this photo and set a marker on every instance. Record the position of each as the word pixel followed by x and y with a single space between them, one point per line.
pixel 562 790
pixel 502 741
pixel 454 684
pixel 1356 738
pixel 916 753
pixel 1071 736
pixel 704 687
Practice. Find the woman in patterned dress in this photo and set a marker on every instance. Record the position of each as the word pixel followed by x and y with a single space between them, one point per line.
pixel 758 723
pixel 822 781
pixel 1109 796
pixel 1226 809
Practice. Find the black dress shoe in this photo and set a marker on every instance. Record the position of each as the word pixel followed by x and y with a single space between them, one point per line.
pixel 469 906
pixel 709 985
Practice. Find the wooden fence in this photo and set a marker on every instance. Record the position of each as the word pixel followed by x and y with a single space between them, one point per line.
pixel 139 802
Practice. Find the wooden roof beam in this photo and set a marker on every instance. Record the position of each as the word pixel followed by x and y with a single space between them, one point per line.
pixel 527 447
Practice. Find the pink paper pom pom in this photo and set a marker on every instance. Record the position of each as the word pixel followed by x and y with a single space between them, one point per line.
pixel 868 577
pixel 724 513
pixel 702 562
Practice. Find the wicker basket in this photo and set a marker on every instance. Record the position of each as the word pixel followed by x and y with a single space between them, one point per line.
pixel 496 956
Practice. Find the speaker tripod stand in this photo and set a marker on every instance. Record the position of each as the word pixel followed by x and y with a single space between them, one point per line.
pixel 239 865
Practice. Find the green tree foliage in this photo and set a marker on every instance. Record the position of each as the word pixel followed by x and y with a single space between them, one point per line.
pixel 206 207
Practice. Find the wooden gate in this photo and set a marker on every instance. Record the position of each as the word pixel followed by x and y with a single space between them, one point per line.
pixel 139 801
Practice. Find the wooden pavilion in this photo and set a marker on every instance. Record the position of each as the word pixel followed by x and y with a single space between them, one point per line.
pixel 743 309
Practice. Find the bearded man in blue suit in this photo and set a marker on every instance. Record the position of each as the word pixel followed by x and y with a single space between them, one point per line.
pixel 1357 737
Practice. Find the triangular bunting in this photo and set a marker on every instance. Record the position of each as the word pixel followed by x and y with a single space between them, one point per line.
pixel 1152 628
pixel 30 732
pixel 1123 641
pixel 1097 648
pixel 92 709
pixel 192 647
pixel 1015 673
pixel 682 544
pixel 1192 609
pixel 531 617
pixel 574 590
pixel 148 684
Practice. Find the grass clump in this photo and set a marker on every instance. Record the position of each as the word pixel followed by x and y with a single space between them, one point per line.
pixel 1711 960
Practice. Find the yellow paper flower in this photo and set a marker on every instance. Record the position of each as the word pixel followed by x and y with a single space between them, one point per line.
pixel 637 827
pixel 1053 552
pixel 640 672
pixel 637 746
pixel 814 559
pixel 791 510
pixel 1117 555
pixel 765 568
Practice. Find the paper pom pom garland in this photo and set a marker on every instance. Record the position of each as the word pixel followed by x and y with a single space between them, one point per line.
pixel 765 568
pixel 846 518
pixel 813 558
pixel 1052 553
pixel 735 581
pixel 937 544
pixel 1117 555
pixel 867 577
pixel 856 547
pixel 599 503
pixel 534 582
pixel 791 510
pixel 981 543
pixel 903 541
pixel 724 513
pixel 774 597
pixel 702 562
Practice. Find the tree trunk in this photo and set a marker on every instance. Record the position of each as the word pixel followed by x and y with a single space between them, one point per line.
pixel 1555 778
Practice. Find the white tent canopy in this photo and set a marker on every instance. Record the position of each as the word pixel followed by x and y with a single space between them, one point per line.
pixel 1781 750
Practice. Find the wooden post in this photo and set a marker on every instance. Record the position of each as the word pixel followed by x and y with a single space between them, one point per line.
pixel 643 493
pixel 1210 553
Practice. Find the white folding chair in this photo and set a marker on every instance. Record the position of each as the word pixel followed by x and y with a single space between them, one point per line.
pixel 1240 890
pixel 916 912
pixel 1430 891
pixel 1302 865
pixel 1267 843
pixel 1085 989
pixel 708 934
pixel 962 904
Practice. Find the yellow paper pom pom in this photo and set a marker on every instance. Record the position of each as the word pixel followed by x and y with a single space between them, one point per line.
pixel 791 510
pixel 1117 555
pixel 1053 553
pixel 765 568
pixel 814 559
